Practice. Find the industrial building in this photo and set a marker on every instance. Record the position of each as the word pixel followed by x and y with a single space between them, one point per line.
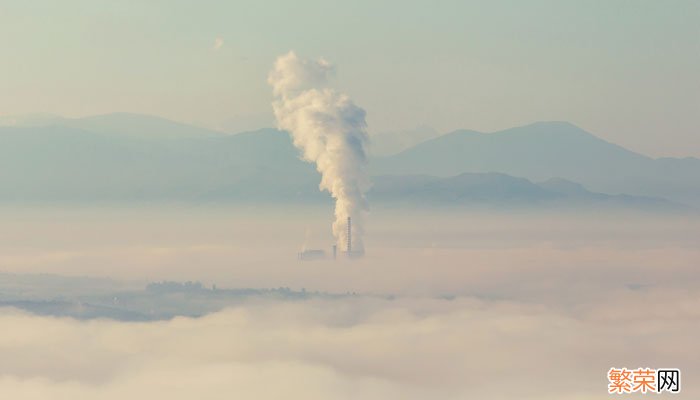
pixel 318 254
pixel 313 254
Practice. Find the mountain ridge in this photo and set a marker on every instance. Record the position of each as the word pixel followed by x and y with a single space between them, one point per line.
pixel 116 123
pixel 68 162
pixel 545 150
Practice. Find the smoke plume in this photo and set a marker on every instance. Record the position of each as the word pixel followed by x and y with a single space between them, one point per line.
pixel 330 131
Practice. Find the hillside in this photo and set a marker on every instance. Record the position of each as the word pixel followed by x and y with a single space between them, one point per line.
pixel 126 158
pixel 545 150
pixel 47 164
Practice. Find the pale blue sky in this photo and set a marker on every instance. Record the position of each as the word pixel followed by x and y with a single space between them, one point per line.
pixel 624 70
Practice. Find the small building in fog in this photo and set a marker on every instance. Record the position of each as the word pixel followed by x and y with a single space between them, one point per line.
pixel 312 254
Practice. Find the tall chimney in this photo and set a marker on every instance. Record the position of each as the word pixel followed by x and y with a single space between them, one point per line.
pixel 349 236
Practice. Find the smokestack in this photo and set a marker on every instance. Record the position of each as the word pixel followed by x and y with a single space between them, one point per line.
pixel 349 236
pixel 331 132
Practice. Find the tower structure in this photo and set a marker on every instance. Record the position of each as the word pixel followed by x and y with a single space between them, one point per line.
pixel 349 241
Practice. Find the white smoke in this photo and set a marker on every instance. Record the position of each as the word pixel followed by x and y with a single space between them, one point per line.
pixel 330 131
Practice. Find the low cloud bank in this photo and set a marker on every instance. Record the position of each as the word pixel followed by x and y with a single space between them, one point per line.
pixel 368 348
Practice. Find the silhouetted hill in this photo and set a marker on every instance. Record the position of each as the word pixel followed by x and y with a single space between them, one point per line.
pixel 122 124
pixel 138 125
pixel 389 143
pixel 157 160
pixel 90 298
pixel 55 163
pixel 545 150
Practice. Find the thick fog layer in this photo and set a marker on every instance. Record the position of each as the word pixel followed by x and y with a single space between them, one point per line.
pixel 447 305
pixel 406 348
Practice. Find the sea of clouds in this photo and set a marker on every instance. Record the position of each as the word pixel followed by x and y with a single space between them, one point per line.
pixel 363 347
pixel 447 307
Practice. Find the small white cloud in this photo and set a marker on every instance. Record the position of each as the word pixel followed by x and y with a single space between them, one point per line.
pixel 218 43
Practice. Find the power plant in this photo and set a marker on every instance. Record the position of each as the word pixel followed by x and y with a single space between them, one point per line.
pixel 318 254
pixel 334 138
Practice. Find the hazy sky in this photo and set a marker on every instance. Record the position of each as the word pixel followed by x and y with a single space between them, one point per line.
pixel 625 70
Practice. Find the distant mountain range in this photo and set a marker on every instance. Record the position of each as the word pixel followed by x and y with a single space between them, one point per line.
pixel 58 163
pixel 129 157
pixel 546 150
pixel 122 124
pixel 389 143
